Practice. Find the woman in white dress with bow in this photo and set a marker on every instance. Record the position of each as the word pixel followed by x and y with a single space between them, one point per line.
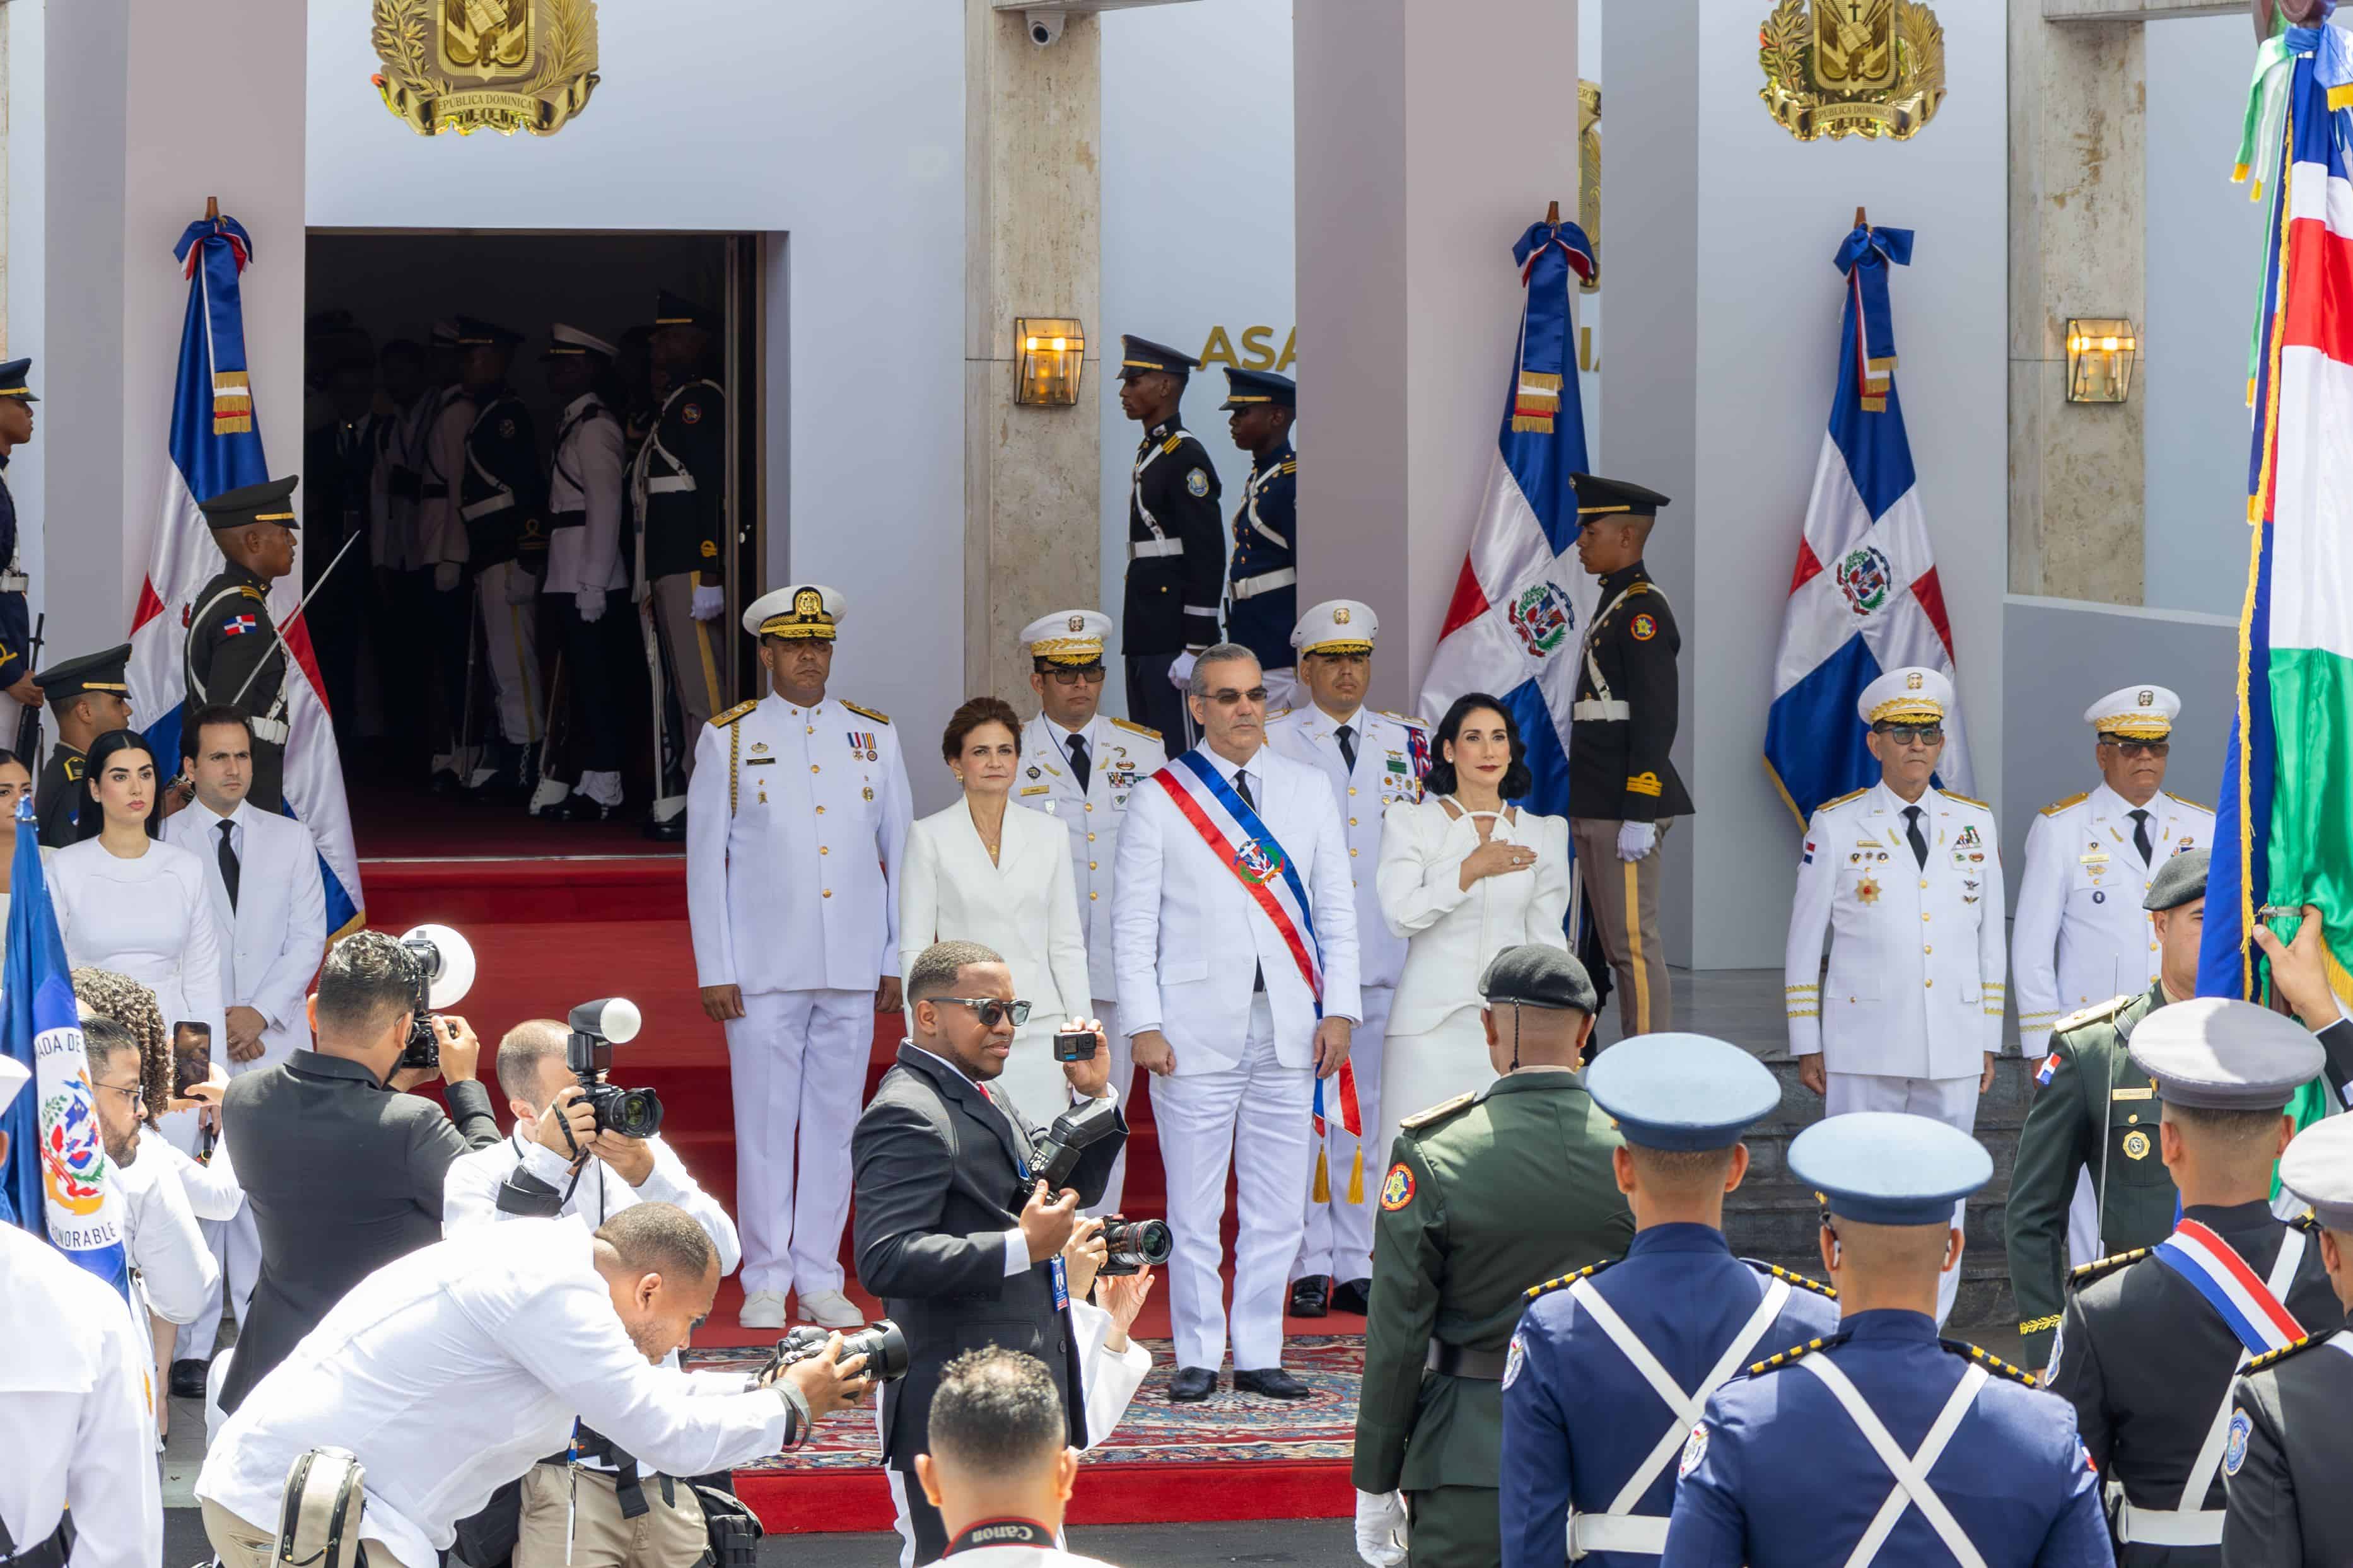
pixel 1462 877
pixel 981 872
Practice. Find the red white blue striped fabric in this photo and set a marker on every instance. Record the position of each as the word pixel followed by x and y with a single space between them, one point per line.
pixel 1237 836
pixel 2218 1273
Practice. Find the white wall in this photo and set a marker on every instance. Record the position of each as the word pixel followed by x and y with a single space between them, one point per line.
pixel 1588 306
pixel 27 21
pixel 841 126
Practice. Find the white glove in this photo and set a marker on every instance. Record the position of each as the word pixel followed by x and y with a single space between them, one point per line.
pixel 708 603
pixel 445 577
pixel 590 602
pixel 1636 839
pixel 1180 670
pixel 1380 1529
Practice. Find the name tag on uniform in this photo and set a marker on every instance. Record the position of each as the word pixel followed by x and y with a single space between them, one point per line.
pixel 757 761
pixel 1037 789
pixel 2134 1094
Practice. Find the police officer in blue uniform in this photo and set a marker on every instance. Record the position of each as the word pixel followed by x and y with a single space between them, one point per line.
pixel 1612 1364
pixel 1262 577
pixel 1881 1442
pixel 16 685
pixel 1175 542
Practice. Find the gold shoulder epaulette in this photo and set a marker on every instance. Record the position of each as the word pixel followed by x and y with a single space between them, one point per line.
pixel 1780 1359
pixel 1135 729
pixel 1853 794
pixel 1421 1118
pixel 2056 806
pixel 1406 719
pixel 1565 1280
pixel 1778 1272
pixel 2272 1358
pixel 2185 800
pixel 74 766
pixel 2307 1222
pixel 1991 1362
pixel 1965 800
pixel 868 713
pixel 1173 442
pixel 2085 1273
pixel 720 720
pixel 2098 1013
pixel 1274 713
pixel 251 592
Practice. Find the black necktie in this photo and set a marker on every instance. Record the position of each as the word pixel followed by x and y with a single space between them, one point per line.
pixel 1348 746
pixel 2140 836
pixel 1919 840
pixel 228 866
pixel 1079 765
pixel 1242 788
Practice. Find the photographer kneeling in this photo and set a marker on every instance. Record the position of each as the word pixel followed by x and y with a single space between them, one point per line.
pixel 451 1372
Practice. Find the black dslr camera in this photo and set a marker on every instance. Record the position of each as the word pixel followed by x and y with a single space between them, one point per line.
pixel 1057 1155
pixel 882 1344
pixel 596 1027
pixel 438 959
pixel 1134 1243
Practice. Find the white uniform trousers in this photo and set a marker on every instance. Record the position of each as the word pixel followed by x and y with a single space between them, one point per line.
pixel 1951 1101
pixel 511 642
pixel 799 1061
pixel 1122 1080
pixel 1258 1110
pixel 1339 1238
pixel 2083 1223
pixel 235 1246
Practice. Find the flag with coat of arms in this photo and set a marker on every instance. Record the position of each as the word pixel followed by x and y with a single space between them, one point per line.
pixel 1864 598
pixel 216 447
pixel 1522 601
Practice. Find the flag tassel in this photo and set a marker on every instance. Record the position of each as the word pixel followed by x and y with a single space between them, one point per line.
pixel 1323 1178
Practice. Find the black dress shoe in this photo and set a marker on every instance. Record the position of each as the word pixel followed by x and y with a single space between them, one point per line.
pixel 1192 1385
pixel 447 782
pixel 188 1379
pixel 1311 1297
pixel 671 830
pixel 577 807
pixel 1270 1383
pixel 1353 1295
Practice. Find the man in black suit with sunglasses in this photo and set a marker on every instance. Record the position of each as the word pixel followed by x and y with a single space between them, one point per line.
pixel 938 1160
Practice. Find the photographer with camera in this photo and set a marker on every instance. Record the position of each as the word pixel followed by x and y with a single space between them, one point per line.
pixel 343 1174
pixel 451 1372
pixel 963 1209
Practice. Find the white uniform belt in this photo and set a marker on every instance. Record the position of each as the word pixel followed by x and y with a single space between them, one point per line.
pixel 2168 1527
pixel 1264 582
pixel 14 582
pixel 1138 548
pixel 1646 1533
pixel 486 508
pixel 670 484
pixel 1595 707
pixel 273 731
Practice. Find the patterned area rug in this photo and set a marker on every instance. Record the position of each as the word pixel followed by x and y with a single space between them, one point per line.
pixel 1226 1427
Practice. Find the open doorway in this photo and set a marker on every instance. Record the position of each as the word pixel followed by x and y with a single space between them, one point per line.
pixel 436 693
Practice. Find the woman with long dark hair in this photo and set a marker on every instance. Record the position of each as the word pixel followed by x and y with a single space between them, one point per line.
pixel 1463 875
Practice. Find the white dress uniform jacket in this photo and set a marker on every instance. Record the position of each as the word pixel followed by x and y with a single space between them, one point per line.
pixel 1392 753
pixel 452 1370
pixel 1189 936
pixel 271 942
pixel 2081 935
pixel 589 478
pixel 164 1193
pixel 469 1193
pixel 797 828
pixel 440 531
pixel 1917 964
pixel 77 1411
pixel 1120 757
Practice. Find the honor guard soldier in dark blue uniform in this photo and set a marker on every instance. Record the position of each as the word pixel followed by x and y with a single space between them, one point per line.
pixel 234 655
pixel 1882 1443
pixel 1262 578
pixel 2151 1339
pixel 17 402
pixel 502 497
pixel 1612 1364
pixel 88 696
pixel 1176 544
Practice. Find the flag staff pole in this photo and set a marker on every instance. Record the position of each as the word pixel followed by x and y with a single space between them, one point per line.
pixel 212 209
pixel 1861 221
pixel 1552 212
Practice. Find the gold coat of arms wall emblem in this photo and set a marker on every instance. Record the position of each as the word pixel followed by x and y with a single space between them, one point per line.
pixel 498 64
pixel 1851 68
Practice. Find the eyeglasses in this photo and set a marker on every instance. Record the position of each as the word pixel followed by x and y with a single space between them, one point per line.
pixel 1091 677
pixel 2141 748
pixel 1230 697
pixel 992 1011
pixel 136 1093
pixel 1914 734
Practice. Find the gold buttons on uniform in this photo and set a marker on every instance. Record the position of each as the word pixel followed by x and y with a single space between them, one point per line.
pixel 1352 822
pixel 1923 882
pixel 1352 789
pixel 1092 896
pixel 1923 917
pixel 823 850
pixel 1352 854
pixel 1925 948
pixel 1090 838
pixel 812 767
pixel 2134 1117
pixel 1928 982
pixel 1091 805
pixel 820 811
pixel 1091 866
pixel 829 892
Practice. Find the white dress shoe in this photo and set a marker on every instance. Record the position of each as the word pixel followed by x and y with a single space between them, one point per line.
pixel 762 1310
pixel 831 1310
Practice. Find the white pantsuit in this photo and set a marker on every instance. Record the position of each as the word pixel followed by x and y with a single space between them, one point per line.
pixel 797 829
pixel 1023 906
pixel 1192 944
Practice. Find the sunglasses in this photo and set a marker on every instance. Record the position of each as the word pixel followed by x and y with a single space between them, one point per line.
pixel 2141 748
pixel 1093 676
pixel 992 1012
pixel 1229 697
pixel 1914 734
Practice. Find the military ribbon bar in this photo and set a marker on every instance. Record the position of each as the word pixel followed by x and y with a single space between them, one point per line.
pixel 2218 1273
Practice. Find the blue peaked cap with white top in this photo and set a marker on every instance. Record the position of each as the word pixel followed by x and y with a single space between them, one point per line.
pixel 1882 1167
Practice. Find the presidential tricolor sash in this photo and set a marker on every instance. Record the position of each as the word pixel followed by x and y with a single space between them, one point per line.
pixel 2218 1273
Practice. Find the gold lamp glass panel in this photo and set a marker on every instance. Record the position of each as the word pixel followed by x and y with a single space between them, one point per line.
pixel 2101 353
pixel 1050 354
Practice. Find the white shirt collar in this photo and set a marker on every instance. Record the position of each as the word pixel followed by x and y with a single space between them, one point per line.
pixel 1898 805
pixel 237 816
pixel 1063 734
pixel 947 1064
pixel 1226 770
pixel 2107 802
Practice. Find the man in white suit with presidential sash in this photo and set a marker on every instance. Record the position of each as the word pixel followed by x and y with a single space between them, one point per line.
pixel 1234 933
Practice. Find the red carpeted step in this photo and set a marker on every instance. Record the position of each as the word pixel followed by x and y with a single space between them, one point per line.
pixel 859 1501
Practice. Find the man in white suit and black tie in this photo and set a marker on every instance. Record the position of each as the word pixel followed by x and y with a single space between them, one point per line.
pixel 270 905
pixel 1235 934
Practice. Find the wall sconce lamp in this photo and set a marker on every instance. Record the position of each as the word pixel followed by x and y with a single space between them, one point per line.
pixel 2100 356
pixel 1053 358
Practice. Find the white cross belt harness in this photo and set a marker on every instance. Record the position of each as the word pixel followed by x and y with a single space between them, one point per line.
pixel 1265 583
pixel 1619 1527
pixel 1137 548
pixel 1911 1488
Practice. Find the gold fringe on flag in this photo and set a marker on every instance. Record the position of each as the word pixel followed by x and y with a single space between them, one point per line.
pixel 1323 1179
pixel 1357 1178
pixel 232 403
pixel 1537 403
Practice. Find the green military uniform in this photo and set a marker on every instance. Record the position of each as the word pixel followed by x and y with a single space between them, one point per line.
pixel 1485 1197
pixel 2097 1109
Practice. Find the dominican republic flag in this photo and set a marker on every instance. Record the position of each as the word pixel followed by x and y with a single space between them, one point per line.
pixel 1522 602
pixel 1864 597
pixel 216 448
pixel 2284 831
pixel 57 1180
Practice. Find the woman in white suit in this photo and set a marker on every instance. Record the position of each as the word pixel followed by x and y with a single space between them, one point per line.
pixel 979 872
pixel 1462 877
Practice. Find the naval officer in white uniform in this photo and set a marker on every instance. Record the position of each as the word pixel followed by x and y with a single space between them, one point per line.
pixel 1905 879
pixel 1082 769
pixel 1372 760
pixel 797 828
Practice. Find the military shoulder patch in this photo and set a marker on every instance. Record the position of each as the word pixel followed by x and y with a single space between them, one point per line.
pixel 1965 800
pixel 2098 1013
pixel 2192 804
pixel 1274 713
pixel 1397 1188
pixel 2056 806
pixel 1196 482
pixel 1438 1112
pixel 2272 1358
pixel 868 713
pixel 252 592
pixel 1135 729
pixel 720 720
pixel 2085 1273
pixel 74 766
pixel 1991 1362
pixel 1408 719
pixel 1780 1359
pixel 1778 1272
pixel 1855 794
pixel 1565 1280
